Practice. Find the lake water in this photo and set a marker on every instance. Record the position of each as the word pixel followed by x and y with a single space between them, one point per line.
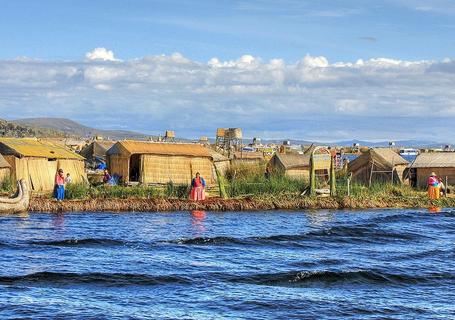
pixel 387 264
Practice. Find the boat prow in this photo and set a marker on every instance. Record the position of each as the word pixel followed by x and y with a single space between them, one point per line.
pixel 19 203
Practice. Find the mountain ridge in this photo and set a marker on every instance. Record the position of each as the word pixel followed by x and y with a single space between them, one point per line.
pixel 63 126
pixel 73 128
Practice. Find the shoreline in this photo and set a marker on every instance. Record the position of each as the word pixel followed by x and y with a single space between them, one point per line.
pixel 46 205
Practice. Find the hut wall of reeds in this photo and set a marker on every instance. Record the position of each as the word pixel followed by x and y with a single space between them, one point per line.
pixel 5 169
pixel 247 157
pixel 295 166
pixel 151 162
pixel 379 164
pixel 37 162
pixel 441 163
pixel 221 162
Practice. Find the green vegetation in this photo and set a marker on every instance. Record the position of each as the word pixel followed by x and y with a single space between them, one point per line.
pixel 177 191
pixel 248 179
pixel 6 186
pixel 12 129
pixel 83 191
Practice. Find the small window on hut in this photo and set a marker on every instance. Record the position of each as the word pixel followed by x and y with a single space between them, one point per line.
pixel 51 159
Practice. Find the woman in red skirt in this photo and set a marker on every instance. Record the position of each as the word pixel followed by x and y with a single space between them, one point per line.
pixel 197 188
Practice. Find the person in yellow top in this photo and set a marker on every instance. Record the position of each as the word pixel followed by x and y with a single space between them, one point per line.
pixel 433 186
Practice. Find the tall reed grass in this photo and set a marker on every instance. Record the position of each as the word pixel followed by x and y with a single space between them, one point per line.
pixel 84 191
pixel 249 179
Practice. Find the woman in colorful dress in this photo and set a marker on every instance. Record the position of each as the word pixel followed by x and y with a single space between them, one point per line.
pixel 197 188
pixel 433 186
pixel 59 185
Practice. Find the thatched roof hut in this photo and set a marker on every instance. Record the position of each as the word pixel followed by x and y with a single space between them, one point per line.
pixel 5 169
pixel 441 163
pixel 96 150
pixel 248 157
pixel 293 165
pixel 151 162
pixel 378 165
pixel 37 162
pixel 221 162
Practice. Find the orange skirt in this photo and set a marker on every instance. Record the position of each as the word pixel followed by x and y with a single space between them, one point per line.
pixel 197 194
pixel 433 192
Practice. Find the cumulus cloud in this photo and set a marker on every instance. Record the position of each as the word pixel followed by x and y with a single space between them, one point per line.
pixel 100 54
pixel 310 99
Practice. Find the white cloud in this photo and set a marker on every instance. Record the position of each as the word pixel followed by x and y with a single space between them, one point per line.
pixel 101 54
pixel 272 97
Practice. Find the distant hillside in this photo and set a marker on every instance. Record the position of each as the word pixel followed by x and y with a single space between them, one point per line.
pixel 73 128
pixel 11 129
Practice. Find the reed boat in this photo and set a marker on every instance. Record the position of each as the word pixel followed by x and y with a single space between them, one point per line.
pixel 20 201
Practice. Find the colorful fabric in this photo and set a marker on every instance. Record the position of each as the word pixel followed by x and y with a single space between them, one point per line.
pixel 200 182
pixel 432 181
pixel 59 180
pixel 60 192
pixel 197 194
pixel 433 192
pixel 107 177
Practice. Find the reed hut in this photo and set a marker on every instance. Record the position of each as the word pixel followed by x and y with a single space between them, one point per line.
pixel 37 162
pixel 159 163
pixel 5 169
pixel 293 165
pixel 441 163
pixel 221 162
pixel 248 157
pixel 96 151
pixel 378 165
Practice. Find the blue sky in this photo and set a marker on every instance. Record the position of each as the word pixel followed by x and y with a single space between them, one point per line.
pixel 343 30
pixel 278 68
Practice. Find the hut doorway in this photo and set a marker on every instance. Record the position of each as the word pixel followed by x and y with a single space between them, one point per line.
pixel 135 163
pixel 413 177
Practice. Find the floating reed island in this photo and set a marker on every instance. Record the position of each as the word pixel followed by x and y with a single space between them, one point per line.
pixel 379 197
pixel 217 204
pixel 156 176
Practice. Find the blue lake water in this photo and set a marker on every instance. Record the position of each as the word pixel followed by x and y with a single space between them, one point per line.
pixel 387 264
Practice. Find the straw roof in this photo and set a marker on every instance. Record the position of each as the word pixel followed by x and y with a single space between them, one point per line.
pixel 216 156
pixel 249 155
pixel 383 157
pixel 30 147
pixel 435 160
pixel 291 161
pixel 4 163
pixel 390 156
pixel 96 149
pixel 169 149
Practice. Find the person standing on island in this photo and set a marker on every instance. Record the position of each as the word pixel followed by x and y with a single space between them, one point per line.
pixel 198 188
pixel 59 185
pixel 68 179
pixel 107 177
pixel 433 186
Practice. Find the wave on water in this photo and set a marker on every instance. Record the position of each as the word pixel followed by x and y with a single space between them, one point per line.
pixel 80 242
pixel 327 278
pixel 391 218
pixel 364 233
pixel 369 232
pixel 106 279
pixel 208 241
